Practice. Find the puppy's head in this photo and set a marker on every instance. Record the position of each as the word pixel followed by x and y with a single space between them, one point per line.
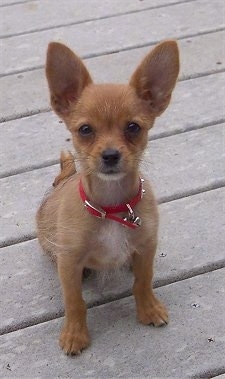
pixel 109 123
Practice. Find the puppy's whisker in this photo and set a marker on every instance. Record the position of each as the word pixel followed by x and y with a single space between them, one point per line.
pixel 64 247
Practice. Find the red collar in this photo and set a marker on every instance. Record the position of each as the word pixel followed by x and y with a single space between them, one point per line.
pixel 108 212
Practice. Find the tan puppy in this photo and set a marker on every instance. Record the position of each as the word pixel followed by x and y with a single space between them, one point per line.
pixel 92 218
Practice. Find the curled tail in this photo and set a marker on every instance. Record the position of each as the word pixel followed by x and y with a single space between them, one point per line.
pixel 68 167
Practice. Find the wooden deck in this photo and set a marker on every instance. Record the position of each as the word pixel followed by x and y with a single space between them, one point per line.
pixel 185 161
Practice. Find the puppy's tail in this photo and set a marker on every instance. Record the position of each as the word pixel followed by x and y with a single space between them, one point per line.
pixel 68 167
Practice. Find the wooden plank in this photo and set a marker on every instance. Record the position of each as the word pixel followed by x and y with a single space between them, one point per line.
pixel 44 135
pixel 31 16
pixel 185 248
pixel 196 59
pixel 178 165
pixel 191 346
pixel 32 86
pixel 12 2
pixel 113 34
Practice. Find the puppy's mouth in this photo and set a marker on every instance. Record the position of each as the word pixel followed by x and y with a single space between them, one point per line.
pixel 110 170
pixel 111 175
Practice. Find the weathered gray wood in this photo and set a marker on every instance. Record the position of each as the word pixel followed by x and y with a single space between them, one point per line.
pixel 191 346
pixel 29 286
pixel 192 228
pixel 113 34
pixel 177 165
pixel 12 2
pixel 44 135
pixel 31 142
pixel 196 59
pixel 34 15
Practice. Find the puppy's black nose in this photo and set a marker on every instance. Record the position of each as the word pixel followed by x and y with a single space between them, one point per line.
pixel 111 157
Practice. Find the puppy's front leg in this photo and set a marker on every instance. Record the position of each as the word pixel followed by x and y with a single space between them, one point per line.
pixel 74 335
pixel 149 308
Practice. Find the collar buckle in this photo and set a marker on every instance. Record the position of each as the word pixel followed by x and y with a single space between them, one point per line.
pixel 99 212
pixel 131 220
pixel 135 220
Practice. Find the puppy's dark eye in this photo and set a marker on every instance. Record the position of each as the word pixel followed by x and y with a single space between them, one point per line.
pixel 132 128
pixel 85 130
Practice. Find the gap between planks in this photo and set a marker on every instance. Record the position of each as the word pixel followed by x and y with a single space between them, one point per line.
pixel 16 3
pixel 167 199
pixel 48 109
pixel 210 374
pixel 161 135
pixel 93 19
pixel 114 51
pixel 128 293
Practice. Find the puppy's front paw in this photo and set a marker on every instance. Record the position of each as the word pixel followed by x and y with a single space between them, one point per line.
pixel 73 339
pixel 153 312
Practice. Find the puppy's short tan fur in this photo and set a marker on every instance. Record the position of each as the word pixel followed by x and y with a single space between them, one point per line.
pixel 101 118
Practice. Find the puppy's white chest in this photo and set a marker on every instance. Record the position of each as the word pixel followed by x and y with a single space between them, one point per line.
pixel 113 244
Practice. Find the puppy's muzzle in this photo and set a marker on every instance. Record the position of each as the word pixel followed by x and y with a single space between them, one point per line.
pixel 110 158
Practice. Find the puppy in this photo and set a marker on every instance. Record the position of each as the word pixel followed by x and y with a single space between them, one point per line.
pixel 104 215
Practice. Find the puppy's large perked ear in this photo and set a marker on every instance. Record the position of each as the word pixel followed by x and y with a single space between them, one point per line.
pixel 155 78
pixel 67 77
